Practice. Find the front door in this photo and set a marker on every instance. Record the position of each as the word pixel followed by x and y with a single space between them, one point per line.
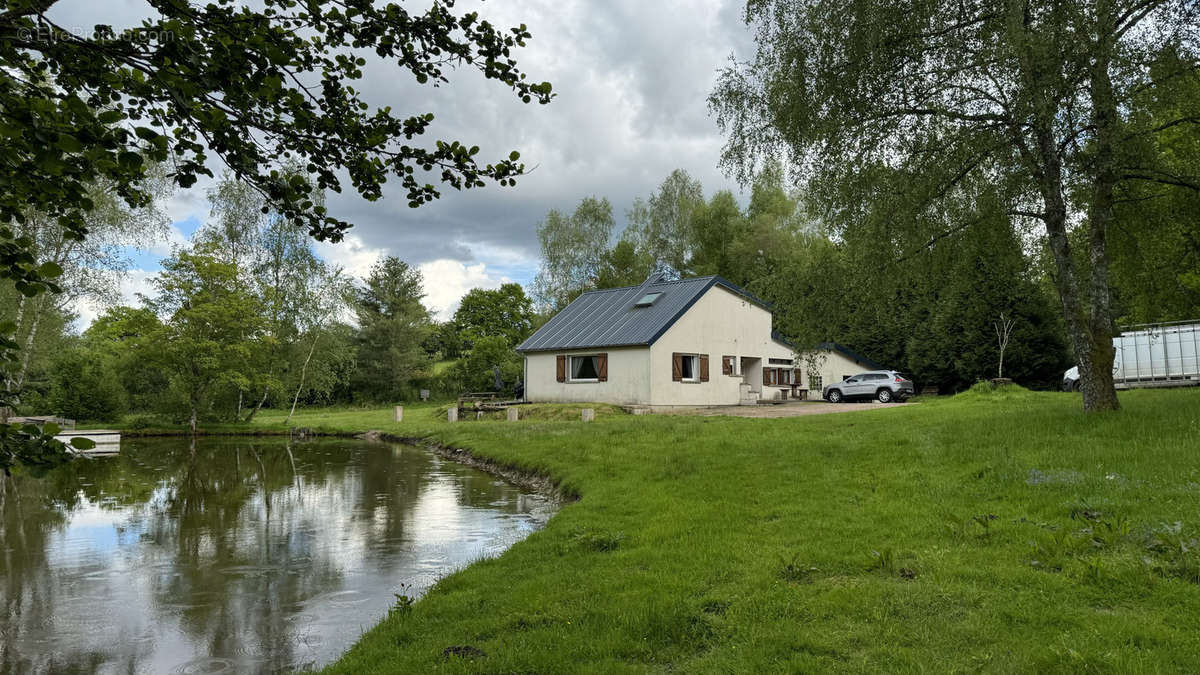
pixel 751 370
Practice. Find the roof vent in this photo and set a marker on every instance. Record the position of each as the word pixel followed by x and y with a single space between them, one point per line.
pixel 647 299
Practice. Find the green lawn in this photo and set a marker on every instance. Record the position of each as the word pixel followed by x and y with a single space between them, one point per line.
pixel 984 533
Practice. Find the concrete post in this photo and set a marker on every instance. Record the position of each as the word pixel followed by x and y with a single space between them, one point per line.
pixel 398 414
pixel 589 414
pixel 452 414
pixel 513 414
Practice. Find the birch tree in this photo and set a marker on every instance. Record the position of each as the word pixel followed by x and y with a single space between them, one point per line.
pixel 91 269
pixel 329 295
pixel 574 249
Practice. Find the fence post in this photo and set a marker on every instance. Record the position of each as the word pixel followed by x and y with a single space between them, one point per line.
pixel 398 414
pixel 452 414
pixel 588 414
pixel 513 414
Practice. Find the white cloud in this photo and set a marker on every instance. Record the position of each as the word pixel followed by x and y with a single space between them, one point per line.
pixel 133 282
pixel 351 254
pixel 175 238
pixel 446 281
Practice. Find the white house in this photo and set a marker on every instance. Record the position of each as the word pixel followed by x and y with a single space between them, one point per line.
pixel 690 342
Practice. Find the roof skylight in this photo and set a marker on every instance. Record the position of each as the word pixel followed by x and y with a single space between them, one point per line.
pixel 647 299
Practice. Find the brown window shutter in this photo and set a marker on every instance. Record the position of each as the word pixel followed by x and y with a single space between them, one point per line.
pixel 704 367
pixel 726 365
pixel 562 368
pixel 796 376
pixel 602 367
pixel 676 366
pixel 766 376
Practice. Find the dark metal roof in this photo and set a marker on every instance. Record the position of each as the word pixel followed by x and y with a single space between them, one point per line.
pixel 853 355
pixel 608 318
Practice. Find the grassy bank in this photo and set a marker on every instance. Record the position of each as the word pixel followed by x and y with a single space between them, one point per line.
pixel 997 533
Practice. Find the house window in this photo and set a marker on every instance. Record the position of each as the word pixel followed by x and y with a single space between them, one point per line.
pixel 585 368
pixel 689 368
pixel 814 382
pixel 729 365
pixel 780 362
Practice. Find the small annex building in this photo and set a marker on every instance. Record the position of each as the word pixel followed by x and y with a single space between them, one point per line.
pixel 689 342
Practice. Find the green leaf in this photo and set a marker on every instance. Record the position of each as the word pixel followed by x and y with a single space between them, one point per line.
pixel 68 143
pixel 82 443
pixel 129 160
pixel 50 269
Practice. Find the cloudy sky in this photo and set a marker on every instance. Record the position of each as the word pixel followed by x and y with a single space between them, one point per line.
pixel 631 79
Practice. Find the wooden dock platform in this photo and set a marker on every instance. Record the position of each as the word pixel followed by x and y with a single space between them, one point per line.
pixel 108 442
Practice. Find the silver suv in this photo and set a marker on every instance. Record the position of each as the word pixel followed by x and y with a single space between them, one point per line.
pixel 884 386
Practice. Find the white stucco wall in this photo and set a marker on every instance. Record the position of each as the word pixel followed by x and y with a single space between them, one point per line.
pixel 833 368
pixel 628 378
pixel 720 323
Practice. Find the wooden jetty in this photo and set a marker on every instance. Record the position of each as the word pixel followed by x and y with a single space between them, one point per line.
pixel 108 442
pixel 61 422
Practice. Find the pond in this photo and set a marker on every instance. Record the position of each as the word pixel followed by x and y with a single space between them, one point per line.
pixel 235 554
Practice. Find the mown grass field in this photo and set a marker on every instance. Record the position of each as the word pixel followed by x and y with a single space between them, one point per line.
pixel 985 533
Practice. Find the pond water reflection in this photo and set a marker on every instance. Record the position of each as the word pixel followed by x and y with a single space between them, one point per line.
pixel 237 555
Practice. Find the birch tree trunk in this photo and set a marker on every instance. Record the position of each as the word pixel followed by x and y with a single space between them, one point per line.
pixel 303 371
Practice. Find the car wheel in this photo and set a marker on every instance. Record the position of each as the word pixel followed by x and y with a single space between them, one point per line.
pixel 1075 386
pixel 884 395
pixel 835 396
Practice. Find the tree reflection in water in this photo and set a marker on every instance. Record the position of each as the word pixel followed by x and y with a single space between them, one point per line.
pixel 176 554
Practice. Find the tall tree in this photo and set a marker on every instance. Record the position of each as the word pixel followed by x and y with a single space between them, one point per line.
pixel 1029 98
pixel 393 325
pixel 276 262
pixel 573 251
pixel 211 327
pixel 1155 236
pixel 326 295
pixel 91 268
pixel 505 312
pixel 718 227
pixel 125 338
pixel 624 265
pixel 662 224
